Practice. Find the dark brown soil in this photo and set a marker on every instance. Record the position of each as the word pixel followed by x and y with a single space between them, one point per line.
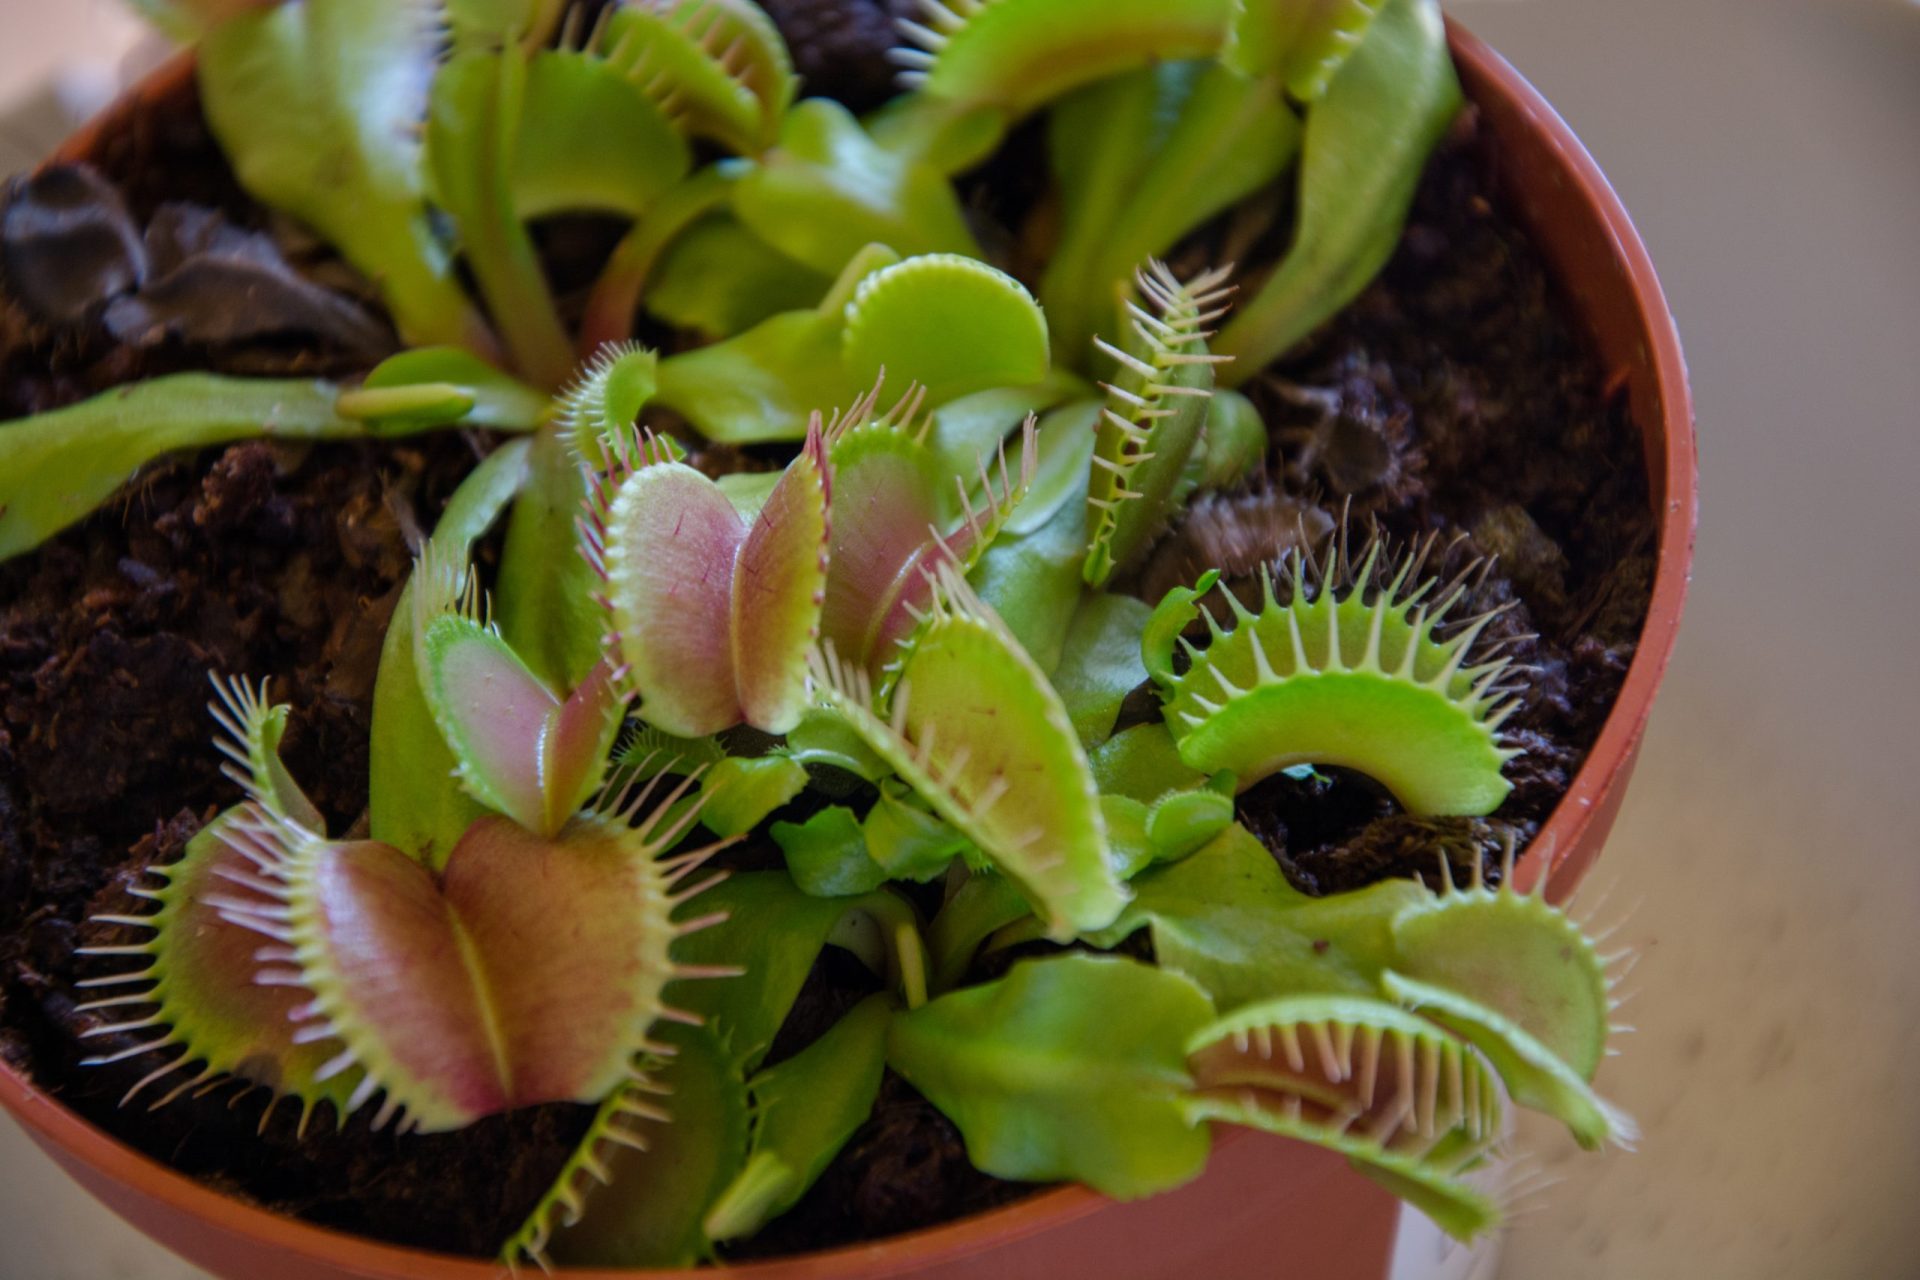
pixel 1454 397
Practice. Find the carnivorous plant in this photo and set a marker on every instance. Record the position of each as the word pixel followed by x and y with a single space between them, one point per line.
pixel 908 657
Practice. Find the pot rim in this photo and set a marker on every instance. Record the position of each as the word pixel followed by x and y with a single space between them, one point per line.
pixel 1601 773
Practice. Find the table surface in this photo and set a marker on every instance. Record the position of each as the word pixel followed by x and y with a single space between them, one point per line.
pixel 1766 148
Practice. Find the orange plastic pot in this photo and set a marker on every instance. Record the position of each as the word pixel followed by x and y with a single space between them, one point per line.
pixel 1264 1207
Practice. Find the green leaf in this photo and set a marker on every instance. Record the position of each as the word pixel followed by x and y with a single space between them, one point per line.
pixel 772 932
pixel 1182 822
pixel 1069 1068
pixel 805 1109
pixel 1100 663
pixel 317 106
pixel 719 279
pixel 740 792
pixel 589 140
pixel 414 801
pixel 1229 920
pixel 473 126
pixel 983 905
pixel 440 386
pixel 544 597
pixel 949 323
pixel 1142 763
pixel 827 854
pixel 56 467
pixel 827 191
pixel 1365 144
pixel 1144 160
pixel 766 383
pixel 953 139
pixel 1033 580
pixel 1234 443
pixel 823 738
pixel 974 426
pixel 906 841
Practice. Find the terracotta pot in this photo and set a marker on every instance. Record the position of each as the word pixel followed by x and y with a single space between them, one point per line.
pixel 1263 1203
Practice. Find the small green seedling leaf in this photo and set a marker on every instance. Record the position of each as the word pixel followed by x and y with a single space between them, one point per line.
pixel 1182 822
pixel 1393 1093
pixel 317 105
pixel 739 792
pixel 1365 143
pixel 951 324
pixel 1070 1067
pixel 1156 409
pixel 828 190
pixel 973 726
pixel 824 740
pixel 827 854
pixel 1018 55
pixel 804 1110
pixel 906 841
pixel 1358 669
pixel 442 386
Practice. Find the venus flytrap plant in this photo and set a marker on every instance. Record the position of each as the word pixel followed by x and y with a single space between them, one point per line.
pixel 911 656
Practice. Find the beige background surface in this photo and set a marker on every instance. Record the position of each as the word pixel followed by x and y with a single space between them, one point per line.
pixel 1770 151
